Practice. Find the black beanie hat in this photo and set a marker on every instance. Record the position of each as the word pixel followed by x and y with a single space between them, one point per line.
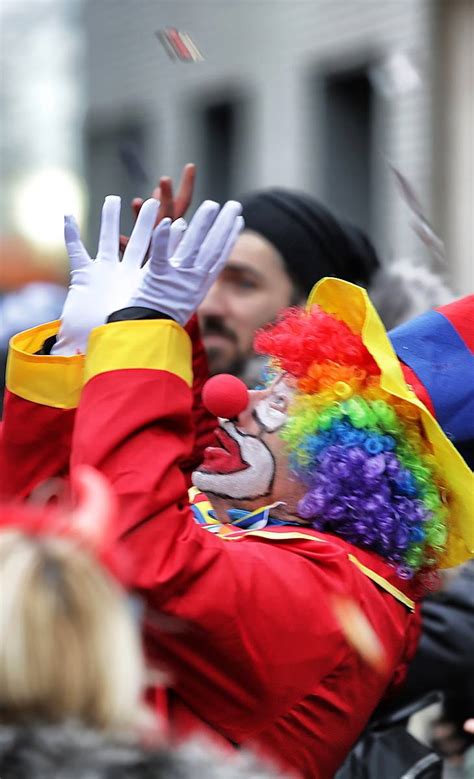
pixel 312 242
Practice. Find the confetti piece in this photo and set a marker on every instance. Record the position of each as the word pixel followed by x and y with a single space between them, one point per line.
pixel 179 45
pixel 359 633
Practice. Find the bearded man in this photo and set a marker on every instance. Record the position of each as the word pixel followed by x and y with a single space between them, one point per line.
pixel 333 487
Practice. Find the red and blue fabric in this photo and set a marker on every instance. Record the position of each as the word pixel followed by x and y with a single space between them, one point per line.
pixel 438 349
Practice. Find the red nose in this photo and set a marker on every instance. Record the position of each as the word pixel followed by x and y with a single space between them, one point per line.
pixel 225 396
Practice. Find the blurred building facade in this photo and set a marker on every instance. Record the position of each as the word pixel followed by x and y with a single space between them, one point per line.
pixel 313 94
pixel 41 109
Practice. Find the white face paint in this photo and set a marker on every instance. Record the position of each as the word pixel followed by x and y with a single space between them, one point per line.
pixel 272 411
pixel 243 466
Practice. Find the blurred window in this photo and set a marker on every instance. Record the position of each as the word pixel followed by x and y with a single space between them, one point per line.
pixel 219 149
pixel 116 165
pixel 348 146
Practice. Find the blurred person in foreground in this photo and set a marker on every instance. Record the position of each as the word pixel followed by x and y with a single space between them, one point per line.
pixel 72 675
pixel 333 489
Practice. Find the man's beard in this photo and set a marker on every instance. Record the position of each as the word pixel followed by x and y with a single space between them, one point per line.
pixel 218 364
pixel 248 366
pixel 217 360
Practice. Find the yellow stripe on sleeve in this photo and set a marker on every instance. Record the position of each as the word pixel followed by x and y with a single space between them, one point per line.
pixel 50 380
pixel 160 344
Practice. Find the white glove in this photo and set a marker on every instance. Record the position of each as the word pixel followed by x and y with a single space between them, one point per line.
pixel 176 285
pixel 99 287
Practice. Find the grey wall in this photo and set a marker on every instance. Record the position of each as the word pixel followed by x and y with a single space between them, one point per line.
pixel 272 59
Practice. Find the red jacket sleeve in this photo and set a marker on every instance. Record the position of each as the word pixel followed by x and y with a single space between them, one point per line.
pixel 244 649
pixel 40 404
pixel 203 422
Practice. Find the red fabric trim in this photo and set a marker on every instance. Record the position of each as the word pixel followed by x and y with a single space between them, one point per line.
pixel 460 314
pixel 419 389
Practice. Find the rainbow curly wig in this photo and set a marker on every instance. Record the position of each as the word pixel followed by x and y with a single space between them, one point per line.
pixel 370 474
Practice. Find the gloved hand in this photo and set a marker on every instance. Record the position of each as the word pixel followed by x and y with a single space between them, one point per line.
pixel 176 285
pixel 99 287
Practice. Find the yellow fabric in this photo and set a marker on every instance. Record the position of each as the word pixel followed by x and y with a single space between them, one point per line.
pixel 285 536
pixel 50 380
pixel 383 583
pixel 351 304
pixel 375 577
pixel 205 506
pixel 160 344
pixel 192 492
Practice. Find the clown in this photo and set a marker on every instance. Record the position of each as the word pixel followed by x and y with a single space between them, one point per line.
pixel 333 485
pixel 330 447
pixel 243 467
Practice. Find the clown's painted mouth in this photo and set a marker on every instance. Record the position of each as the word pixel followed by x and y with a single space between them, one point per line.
pixel 225 458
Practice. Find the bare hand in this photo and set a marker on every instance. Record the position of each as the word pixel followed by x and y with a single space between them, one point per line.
pixel 171 207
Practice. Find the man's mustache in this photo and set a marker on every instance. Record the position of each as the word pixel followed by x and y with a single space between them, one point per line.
pixel 214 326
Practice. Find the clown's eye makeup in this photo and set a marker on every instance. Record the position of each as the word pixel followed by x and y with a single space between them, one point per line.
pixel 271 412
pixel 278 402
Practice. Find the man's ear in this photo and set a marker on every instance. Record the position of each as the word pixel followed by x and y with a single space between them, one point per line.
pixel 294 491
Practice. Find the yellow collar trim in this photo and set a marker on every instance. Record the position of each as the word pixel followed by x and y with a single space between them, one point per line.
pixel 375 577
pixel 383 583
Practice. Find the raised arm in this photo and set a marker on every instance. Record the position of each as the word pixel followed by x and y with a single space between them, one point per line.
pixel 40 403
pixel 244 649
pixel 46 364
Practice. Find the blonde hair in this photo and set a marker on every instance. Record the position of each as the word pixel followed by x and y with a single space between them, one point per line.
pixel 68 645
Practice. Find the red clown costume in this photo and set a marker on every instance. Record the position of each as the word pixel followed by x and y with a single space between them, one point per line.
pixel 256 653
